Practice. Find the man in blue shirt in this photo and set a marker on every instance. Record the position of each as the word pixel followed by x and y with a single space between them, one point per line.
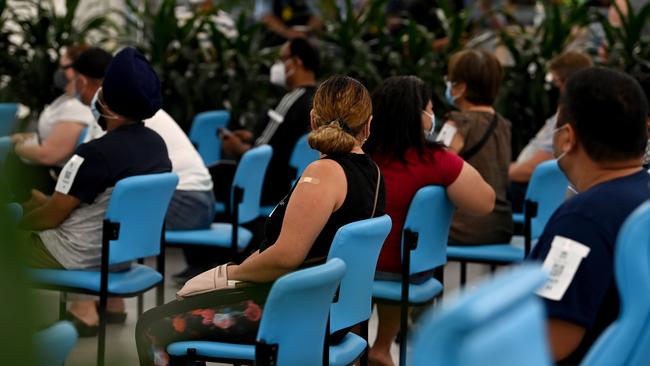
pixel 599 141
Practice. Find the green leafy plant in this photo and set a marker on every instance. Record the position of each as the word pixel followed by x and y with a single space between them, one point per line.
pixel 524 98
pixel 32 34
pixel 628 44
pixel 201 67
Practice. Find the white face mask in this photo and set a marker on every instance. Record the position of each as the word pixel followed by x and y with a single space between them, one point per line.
pixel 559 157
pixel 278 74
pixel 430 134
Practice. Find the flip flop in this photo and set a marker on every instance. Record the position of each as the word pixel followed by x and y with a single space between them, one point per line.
pixel 113 318
pixel 83 329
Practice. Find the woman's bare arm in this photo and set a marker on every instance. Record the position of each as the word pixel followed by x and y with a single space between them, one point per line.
pixel 308 210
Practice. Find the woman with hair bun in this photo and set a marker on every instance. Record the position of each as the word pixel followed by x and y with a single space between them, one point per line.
pixel 225 303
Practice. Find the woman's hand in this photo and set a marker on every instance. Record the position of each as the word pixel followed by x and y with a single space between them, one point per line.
pixel 208 281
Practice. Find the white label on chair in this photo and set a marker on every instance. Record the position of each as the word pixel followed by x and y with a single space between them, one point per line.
pixel 562 263
pixel 446 134
pixel 69 172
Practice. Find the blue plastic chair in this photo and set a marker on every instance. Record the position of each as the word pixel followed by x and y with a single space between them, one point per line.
pixel 15 212
pixel 293 325
pixel 5 148
pixel 53 344
pixel 501 323
pixel 301 156
pixel 627 340
pixel 204 135
pixel 132 231
pixel 246 194
pixel 8 118
pixel 424 242
pixel 358 244
pixel 546 192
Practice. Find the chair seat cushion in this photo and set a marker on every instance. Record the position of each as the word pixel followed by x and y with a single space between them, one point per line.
pixel 418 293
pixel 347 351
pixel 133 280
pixel 506 253
pixel 218 235
pixel 214 349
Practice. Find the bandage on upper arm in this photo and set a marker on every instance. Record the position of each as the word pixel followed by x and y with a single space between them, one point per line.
pixel 311 180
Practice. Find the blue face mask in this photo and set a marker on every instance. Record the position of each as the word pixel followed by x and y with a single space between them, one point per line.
pixel 450 98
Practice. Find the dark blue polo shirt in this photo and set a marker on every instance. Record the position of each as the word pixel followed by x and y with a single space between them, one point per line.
pixel 124 152
pixel 592 218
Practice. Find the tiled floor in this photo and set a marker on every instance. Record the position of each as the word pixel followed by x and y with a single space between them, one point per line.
pixel 120 338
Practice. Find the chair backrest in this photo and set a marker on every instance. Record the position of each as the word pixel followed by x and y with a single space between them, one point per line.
pixel 358 244
pixel 5 147
pixel 429 215
pixel 249 176
pixel 296 310
pixel 14 212
pixel 302 156
pixel 547 187
pixel 139 204
pixel 82 136
pixel 502 322
pixel 8 118
pixel 53 344
pixel 203 134
pixel 627 340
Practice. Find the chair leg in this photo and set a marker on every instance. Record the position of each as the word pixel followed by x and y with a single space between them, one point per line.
pixel 493 268
pixel 463 273
pixel 63 299
pixel 403 330
pixel 101 339
pixel 140 305
pixel 364 334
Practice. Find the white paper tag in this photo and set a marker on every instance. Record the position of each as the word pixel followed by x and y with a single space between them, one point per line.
pixel 31 139
pixel 562 263
pixel 446 134
pixel 69 172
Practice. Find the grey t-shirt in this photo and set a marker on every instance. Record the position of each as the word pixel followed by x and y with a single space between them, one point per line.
pixel 543 141
pixel 77 242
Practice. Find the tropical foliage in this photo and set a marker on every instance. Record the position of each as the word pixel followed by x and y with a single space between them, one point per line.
pixel 206 62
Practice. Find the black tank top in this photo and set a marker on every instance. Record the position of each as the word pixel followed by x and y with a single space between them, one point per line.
pixel 361 174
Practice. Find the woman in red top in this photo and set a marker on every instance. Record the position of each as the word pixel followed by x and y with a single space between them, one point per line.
pixel 401 144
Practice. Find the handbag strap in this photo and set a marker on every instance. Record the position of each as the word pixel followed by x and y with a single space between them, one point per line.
pixel 374 205
pixel 469 153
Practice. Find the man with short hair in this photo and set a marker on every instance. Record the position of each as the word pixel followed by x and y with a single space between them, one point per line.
pixel 540 148
pixel 67 227
pixel 599 140
pixel 296 70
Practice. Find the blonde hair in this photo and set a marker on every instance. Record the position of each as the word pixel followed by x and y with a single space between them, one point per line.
pixel 341 108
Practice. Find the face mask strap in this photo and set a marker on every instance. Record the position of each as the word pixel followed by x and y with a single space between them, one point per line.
pixel 104 107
